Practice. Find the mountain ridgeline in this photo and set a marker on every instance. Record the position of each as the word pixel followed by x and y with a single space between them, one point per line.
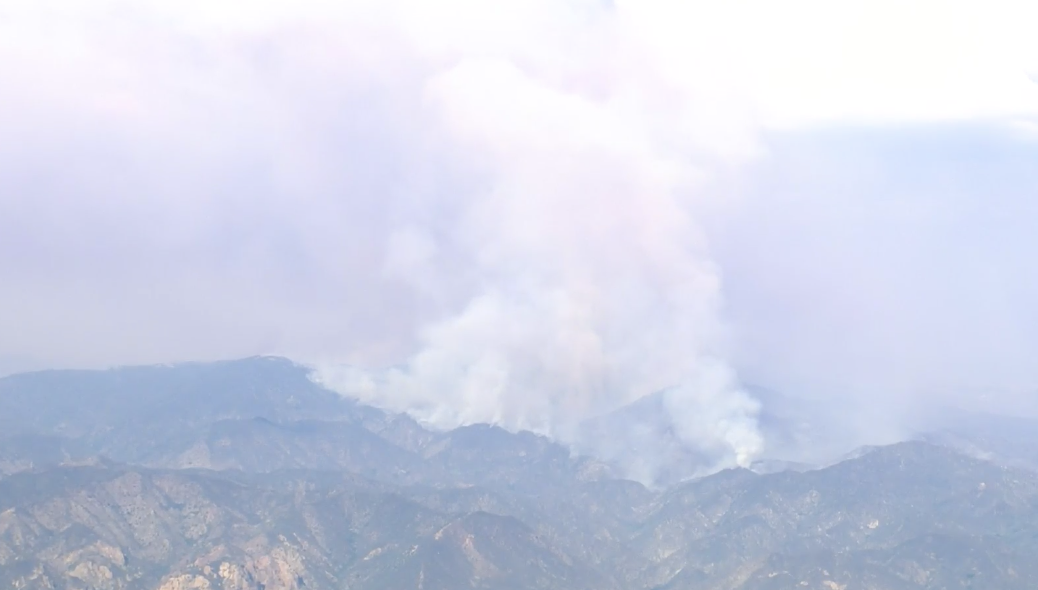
pixel 246 475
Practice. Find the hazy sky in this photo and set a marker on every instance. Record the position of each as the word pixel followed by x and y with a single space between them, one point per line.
pixel 535 209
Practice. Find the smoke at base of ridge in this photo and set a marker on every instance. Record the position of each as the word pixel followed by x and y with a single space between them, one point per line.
pixel 592 286
pixel 509 203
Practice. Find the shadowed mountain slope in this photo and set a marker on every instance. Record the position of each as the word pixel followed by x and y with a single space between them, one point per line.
pixel 247 476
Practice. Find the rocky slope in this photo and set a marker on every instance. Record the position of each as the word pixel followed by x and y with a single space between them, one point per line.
pixel 245 475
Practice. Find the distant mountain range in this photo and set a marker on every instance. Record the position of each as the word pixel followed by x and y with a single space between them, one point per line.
pixel 246 475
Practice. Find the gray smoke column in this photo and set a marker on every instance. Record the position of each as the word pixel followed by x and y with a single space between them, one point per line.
pixel 591 285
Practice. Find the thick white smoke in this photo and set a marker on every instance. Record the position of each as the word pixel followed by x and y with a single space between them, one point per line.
pixel 594 130
pixel 591 285
pixel 504 197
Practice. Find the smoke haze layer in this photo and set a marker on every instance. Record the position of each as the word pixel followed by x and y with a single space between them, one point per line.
pixel 533 213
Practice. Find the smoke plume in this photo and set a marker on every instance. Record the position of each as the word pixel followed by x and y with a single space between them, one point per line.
pixel 591 283
pixel 535 212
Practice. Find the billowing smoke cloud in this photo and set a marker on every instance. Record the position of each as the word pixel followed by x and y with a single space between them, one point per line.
pixel 532 212
pixel 591 286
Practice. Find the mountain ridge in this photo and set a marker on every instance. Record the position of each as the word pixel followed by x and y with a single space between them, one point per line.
pixel 267 481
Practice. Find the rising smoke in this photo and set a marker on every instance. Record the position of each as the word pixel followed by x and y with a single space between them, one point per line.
pixel 512 205
pixel 592 286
